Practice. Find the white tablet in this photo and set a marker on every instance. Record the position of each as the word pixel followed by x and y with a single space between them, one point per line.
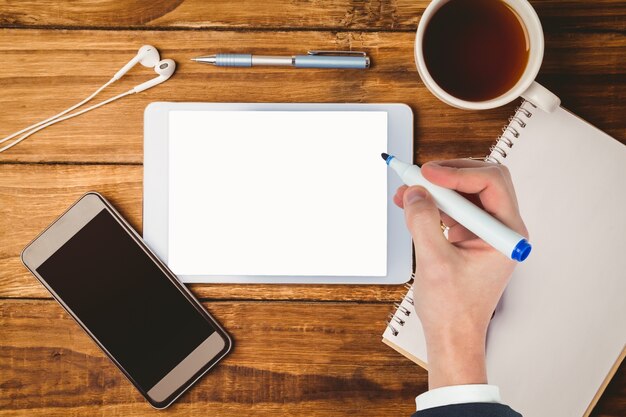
pixel 276 193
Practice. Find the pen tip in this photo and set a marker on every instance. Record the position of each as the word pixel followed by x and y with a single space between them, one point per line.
pixel 193 59
pixel 384 156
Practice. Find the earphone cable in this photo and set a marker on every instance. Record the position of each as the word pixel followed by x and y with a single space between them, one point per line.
pixel 56 116
pixel 69 116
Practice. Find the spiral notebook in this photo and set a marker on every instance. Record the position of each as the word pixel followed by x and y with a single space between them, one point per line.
pixel 559 332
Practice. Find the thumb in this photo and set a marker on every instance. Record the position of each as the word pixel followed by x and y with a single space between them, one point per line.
pixel 423 220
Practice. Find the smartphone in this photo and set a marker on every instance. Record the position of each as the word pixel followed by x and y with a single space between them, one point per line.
pixel 148 323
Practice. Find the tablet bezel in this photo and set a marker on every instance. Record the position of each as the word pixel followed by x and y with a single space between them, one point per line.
pixel 156 180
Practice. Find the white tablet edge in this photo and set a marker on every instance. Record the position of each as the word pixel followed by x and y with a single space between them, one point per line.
pixel 155 185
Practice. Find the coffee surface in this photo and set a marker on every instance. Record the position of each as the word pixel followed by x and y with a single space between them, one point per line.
pixel 476 50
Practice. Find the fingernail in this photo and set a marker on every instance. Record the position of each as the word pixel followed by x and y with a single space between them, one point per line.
pixel 415 194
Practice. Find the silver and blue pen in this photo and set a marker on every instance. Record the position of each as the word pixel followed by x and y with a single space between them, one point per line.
pixel 312 59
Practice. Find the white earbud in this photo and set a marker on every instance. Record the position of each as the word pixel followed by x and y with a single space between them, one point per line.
pixel 148 56
pixel 164 68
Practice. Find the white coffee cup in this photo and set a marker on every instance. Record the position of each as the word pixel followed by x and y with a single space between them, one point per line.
pixel 525 87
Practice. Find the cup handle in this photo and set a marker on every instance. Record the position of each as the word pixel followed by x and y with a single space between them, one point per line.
pixel 541 97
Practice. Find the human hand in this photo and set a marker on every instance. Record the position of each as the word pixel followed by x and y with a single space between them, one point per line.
pixel 459 280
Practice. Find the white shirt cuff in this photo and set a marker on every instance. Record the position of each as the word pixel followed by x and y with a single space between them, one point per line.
pixel 458 394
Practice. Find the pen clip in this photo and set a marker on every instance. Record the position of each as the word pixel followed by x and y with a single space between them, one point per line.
pixel 338 53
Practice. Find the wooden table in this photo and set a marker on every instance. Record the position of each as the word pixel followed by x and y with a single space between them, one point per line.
pixel 310 350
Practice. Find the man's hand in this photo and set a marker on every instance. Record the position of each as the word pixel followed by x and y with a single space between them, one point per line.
pixel 459 280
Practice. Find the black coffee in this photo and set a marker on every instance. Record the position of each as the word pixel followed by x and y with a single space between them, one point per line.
pixel 476 50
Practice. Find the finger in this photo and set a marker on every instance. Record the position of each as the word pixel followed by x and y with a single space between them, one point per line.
pixel 470 163
pixel 422 219
pixel 468 176
pixel 461 163
pixel 458 233
pixel 472 244
pixel 492 182
pixel 398 197
pixel 447 220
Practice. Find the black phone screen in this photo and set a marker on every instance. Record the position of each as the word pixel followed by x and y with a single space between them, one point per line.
pixel 125 300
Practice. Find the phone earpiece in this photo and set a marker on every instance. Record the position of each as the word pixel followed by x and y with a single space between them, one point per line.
pixel 148 56
pixel 164 68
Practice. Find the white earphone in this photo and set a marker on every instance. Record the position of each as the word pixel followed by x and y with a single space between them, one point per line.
pixel 148 56
pixel 164 68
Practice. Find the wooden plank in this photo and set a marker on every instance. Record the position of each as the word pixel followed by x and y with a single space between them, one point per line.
pixel 294 358
pixel 32 196
pixel 585 69
pixel 556 15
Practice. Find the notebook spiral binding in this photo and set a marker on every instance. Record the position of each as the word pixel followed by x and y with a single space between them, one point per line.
pixel 397 319
pixel 510 133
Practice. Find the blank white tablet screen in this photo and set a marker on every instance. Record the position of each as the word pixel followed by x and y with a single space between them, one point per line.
pixel 277 193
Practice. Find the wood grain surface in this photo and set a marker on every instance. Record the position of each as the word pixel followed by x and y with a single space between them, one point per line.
pixel 68 65
pixel 375 15
pixel 273 370
pixel 327 362
pixel 299 350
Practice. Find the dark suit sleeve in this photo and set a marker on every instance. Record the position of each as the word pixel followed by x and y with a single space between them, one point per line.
pixel 469 410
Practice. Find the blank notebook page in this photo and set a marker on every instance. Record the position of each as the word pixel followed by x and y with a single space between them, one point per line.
pixel 278 193
pixel 560 327
pixel 561 324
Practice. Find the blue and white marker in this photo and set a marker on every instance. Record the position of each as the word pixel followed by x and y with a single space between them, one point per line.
pixel 473 218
